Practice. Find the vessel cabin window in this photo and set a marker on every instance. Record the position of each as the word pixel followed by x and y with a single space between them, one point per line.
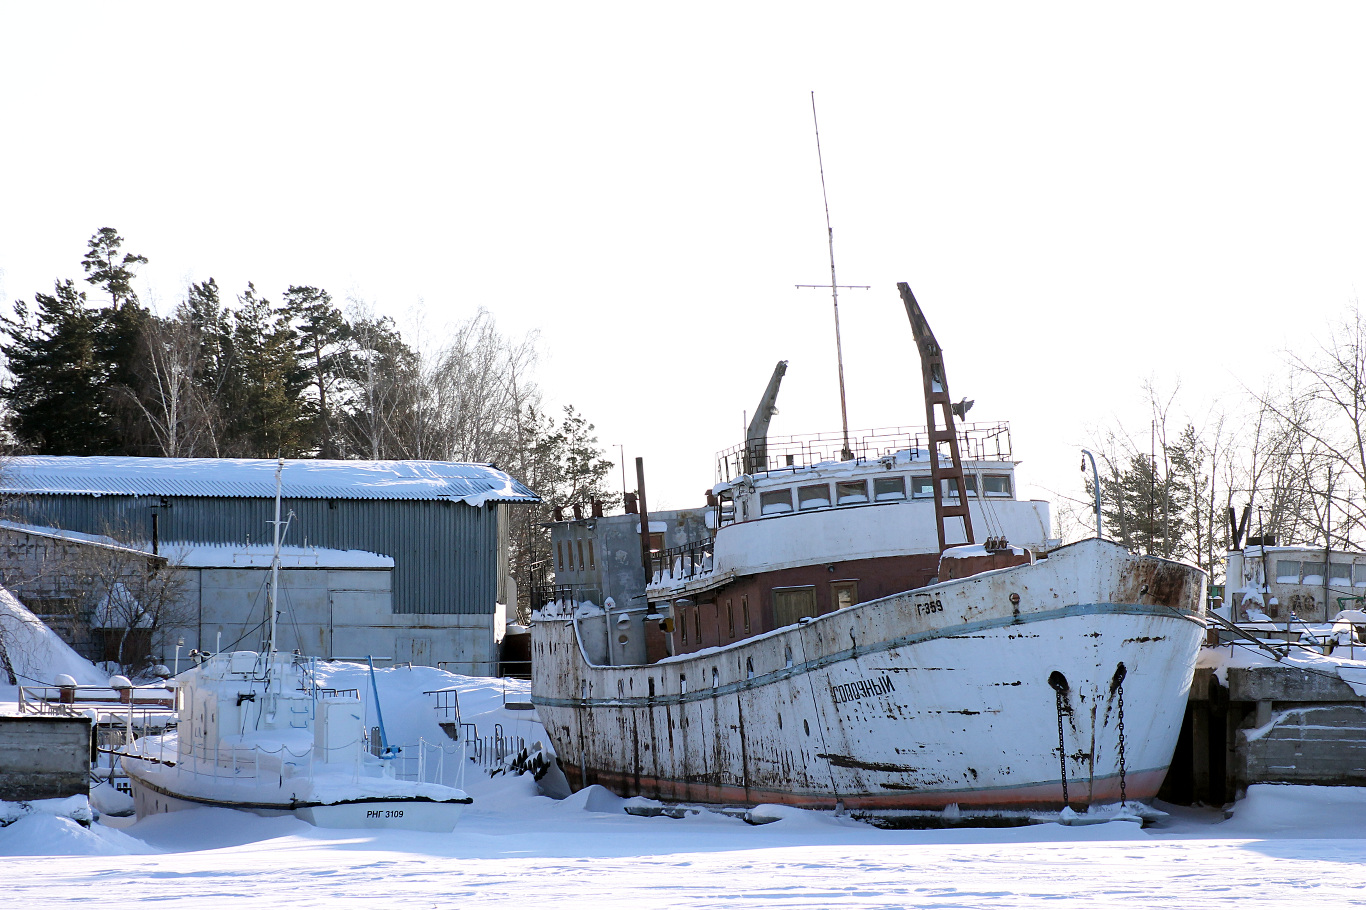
pixel 996 484
pixel 1359 575
pixel 922 485
pixel 792 604
pixel 969 483
pixel 849 492
pixel 816 496
pixel 1287 571
pixel 775 502
pixel 1340 573
pixel 843 594
pixel 1313 572
pixel 886 489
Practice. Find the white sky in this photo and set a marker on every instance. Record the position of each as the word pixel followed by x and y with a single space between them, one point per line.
pixel 1081 197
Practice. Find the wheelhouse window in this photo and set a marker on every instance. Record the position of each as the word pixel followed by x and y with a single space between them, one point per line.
pixel 1287 571
pixel 996 484
pixel 775 502
pixel 792 604
pixel 1359 575
pixel 1340 573
pixel 815 496
pixel 850 492
pixel 887 489
pixel 922 485
pixel 1313 572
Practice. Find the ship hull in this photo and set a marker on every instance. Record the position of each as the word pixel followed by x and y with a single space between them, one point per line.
pixel 950 695
pixel 155 791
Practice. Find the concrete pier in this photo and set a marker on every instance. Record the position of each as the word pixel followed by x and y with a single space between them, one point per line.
pixel 1278 724
pixel 44 756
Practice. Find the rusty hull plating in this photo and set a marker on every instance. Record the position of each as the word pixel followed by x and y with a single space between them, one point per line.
pixel 917 702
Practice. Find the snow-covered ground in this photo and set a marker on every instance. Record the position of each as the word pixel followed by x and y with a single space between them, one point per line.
pixel 1282 846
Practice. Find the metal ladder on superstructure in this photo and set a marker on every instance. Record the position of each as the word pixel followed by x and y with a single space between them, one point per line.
pixel 937 395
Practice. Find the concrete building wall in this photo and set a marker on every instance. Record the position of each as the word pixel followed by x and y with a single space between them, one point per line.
pixel 44 757
pixel 328 613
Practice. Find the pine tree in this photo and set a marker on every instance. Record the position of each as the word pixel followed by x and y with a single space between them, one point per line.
pixel 122 341
pixel 104 268
pixel 322 335
pixel 1145 511
pixel 263 399
pixel 57 394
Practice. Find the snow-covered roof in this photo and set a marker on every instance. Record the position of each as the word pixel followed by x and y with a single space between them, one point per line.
pixel 258 556
pixel 98 540
pixel 222 556
pixel 473 484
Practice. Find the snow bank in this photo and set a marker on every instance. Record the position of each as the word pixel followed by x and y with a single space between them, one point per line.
pixel 51 835
pixel 34 651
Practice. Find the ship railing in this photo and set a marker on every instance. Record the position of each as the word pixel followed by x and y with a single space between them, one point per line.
pixel 555 593
pixel 72 700
pixel 682 562
pixel 426 762
pixel 984 441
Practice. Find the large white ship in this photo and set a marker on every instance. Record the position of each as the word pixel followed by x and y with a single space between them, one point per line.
pixel 840 640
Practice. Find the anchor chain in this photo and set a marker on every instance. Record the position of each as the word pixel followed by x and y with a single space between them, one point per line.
pixel 1062 752
pixel 1060 687
pixel 1123 796
pixel 1117 688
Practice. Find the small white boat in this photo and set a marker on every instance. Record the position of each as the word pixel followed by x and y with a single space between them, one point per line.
pixel 257 733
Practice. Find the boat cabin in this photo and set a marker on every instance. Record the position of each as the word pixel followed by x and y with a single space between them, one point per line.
pixel 812 534
pixel 1309 584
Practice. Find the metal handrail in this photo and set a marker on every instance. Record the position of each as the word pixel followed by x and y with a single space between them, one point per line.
pixel 683 561
pixel 977 442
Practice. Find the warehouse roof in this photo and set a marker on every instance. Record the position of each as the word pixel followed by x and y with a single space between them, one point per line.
pixel 474 484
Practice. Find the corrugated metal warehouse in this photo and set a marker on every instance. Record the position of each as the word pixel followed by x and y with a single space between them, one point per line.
pixel 443 524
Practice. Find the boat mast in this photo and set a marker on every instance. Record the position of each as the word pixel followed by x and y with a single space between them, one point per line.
pixel 275 558
pixel 846 454
pixel 937 393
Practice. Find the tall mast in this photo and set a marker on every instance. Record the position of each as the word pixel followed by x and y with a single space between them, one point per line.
pixel 275 558
pixel 937 394
pixel 847 453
